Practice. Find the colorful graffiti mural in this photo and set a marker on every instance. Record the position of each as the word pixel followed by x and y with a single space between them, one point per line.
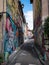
pixel 10 37
pixel 13 28
pixel 12 8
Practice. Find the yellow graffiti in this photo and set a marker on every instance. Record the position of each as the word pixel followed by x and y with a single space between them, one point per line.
pixel 9 2
pixel 13 7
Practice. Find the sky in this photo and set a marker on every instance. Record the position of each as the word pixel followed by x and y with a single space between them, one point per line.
pixel 28 12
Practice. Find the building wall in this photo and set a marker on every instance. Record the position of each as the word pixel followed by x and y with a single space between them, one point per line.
pixel 10 23
pixel 26 31
pixel 2 22
pixel 1 9
pixel 37 13
pixel 1 4
pixel 45 14
pixel 12 8
pixel 37 18
pixel 0 36
pixel 44 8
pixel 30 34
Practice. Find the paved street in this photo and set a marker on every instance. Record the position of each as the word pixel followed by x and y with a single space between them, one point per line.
pixel 25 56
pixel 24 32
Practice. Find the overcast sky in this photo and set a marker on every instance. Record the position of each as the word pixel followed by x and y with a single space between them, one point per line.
pixel 28 12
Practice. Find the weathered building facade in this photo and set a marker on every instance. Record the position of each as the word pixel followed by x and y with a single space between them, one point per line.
pixel 45 14
pixel 40 13
pixel 37 18
pixel 11 25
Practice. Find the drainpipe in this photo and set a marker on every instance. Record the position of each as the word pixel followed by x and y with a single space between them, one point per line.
pixel 2 19
pixel 3 30
pixel 2 23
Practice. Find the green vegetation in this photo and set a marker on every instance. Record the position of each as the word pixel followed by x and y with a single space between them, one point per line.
pixel 32 31
pixel 1 58
pixel 46 27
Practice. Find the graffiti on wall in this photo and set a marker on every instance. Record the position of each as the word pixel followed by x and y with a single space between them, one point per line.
pixel 12 5
pixel 13 21
pixel 10 37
